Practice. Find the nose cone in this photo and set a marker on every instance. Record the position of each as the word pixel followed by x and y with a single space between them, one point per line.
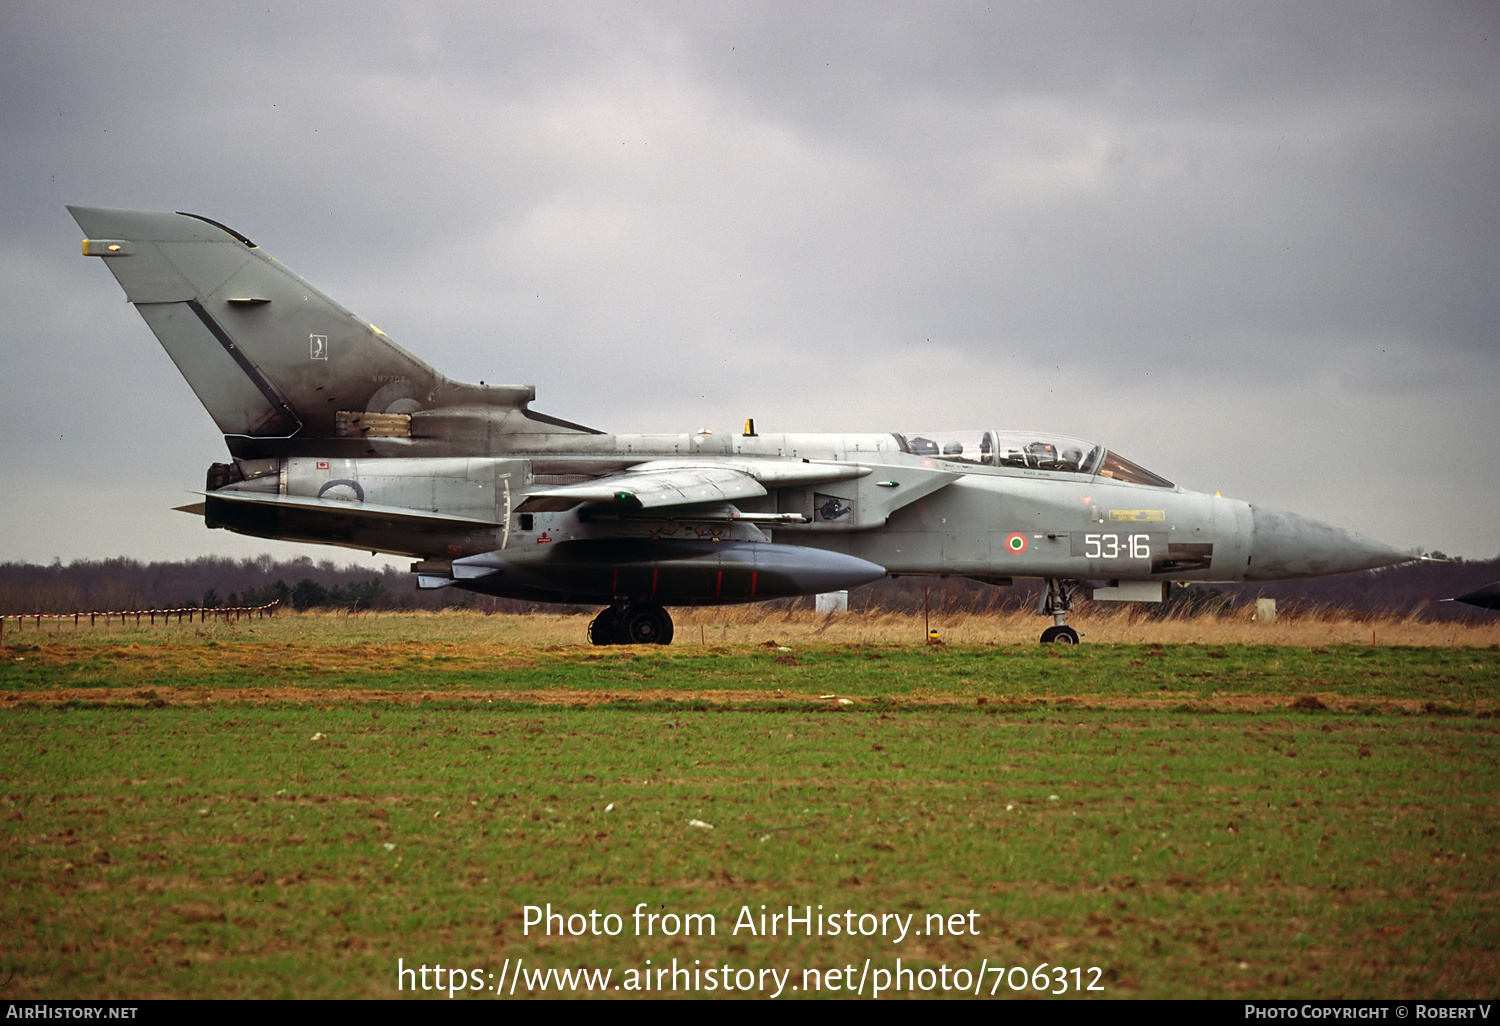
pixel 1287 545
pixel 1487 597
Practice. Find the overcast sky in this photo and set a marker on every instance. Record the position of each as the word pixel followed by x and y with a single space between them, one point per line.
pixel 1253 247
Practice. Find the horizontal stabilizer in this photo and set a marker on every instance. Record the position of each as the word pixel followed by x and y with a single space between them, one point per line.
pixel 355 510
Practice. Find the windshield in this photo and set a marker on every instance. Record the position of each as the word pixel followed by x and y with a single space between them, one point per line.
pixel 1030 450
pixel 1118 467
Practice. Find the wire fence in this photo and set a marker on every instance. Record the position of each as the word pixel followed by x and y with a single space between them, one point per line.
pixel 202 614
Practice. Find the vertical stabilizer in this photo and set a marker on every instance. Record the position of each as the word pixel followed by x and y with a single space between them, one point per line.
pixel 268 355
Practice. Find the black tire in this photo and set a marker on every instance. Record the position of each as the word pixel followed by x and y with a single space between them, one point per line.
pixel 645 623
pixel 604 629
pixel 1059 635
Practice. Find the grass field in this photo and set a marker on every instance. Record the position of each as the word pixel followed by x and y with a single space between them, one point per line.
pixel 286 808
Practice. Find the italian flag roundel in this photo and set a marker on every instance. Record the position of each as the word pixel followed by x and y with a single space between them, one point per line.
pixel 1016 543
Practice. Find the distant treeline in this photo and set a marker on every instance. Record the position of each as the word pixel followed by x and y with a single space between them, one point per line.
pixel 1416 589
pixel 1412 590
pixel 215 583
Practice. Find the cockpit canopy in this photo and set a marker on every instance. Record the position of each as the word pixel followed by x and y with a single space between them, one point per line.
pixel 1028 450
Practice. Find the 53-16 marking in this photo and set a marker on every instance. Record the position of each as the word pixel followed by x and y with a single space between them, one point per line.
pixel 1117 546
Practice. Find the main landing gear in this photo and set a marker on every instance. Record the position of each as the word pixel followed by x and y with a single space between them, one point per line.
pixel 1057 603
pixel 631 623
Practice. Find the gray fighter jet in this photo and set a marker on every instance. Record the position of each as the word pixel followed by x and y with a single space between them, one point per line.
pixel 339 436
pixel 1487 597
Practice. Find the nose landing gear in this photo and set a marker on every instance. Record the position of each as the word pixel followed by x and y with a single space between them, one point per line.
pixel 1060 634
pixel 631 623
pixel 1057 602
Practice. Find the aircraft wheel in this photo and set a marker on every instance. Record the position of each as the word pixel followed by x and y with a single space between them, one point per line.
pixel 1060 635
pixel 604 629
pixel 645 623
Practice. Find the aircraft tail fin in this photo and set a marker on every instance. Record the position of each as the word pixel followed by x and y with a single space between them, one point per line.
pixel 270 356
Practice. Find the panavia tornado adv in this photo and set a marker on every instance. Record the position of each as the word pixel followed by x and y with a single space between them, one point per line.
pixel 339 436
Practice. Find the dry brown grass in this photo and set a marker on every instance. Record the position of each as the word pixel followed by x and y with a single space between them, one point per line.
pixel 750 624
pixel 755 624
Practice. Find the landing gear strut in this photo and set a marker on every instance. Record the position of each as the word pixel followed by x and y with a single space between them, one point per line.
pixel 1057 603
pixel 631 623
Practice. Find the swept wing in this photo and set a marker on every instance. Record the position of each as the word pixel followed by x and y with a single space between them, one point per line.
pixel 665 483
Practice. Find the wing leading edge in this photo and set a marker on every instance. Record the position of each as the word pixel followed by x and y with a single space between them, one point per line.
pixel 666 483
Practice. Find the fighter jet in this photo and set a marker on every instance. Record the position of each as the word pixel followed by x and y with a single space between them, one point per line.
pixel 1487 597
pixel 338 436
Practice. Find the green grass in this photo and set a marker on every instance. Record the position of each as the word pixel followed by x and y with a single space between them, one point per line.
pixel 219 850
pixel 1457 676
